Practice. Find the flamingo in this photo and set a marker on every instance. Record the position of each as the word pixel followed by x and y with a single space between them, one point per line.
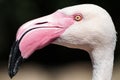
pixel 86 26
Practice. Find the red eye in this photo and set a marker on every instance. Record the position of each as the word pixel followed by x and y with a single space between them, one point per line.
pixel 78 17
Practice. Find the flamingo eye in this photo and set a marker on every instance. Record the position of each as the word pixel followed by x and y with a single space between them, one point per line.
pixel 77 17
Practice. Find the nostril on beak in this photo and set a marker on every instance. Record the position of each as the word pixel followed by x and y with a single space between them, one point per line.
pixel 40 23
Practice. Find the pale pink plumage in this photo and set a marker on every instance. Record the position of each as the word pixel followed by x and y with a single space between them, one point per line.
pixel 88 27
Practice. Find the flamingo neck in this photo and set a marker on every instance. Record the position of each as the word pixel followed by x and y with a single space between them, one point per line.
pixel 102 59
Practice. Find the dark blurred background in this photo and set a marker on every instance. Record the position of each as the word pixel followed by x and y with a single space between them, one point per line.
pixel 13 13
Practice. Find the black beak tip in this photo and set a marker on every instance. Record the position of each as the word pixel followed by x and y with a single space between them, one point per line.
pixel 15 60
pixel 11 74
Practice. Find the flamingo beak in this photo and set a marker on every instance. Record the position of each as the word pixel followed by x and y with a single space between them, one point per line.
pixel 34 35
pixel 15 59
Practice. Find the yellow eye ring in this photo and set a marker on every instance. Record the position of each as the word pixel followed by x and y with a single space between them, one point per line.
pixel 78 17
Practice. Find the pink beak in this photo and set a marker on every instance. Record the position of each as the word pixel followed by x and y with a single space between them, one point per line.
pixel 37 34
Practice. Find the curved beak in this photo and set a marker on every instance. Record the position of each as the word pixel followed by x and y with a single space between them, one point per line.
pixel 36 34
pixel 15 59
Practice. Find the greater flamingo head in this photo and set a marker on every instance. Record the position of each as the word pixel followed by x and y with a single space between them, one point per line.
pixel 84 26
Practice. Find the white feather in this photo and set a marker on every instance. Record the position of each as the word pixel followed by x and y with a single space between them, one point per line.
pixel 96 34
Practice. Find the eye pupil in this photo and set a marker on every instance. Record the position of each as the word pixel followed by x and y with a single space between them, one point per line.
pixel 78 18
